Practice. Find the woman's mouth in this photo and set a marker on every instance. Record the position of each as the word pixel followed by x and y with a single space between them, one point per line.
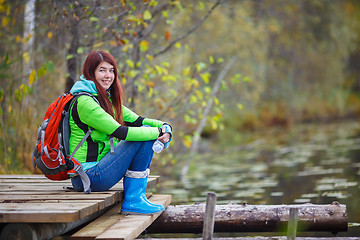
pixel 106 81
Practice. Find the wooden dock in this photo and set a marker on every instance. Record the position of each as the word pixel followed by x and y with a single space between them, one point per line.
pixel 34 207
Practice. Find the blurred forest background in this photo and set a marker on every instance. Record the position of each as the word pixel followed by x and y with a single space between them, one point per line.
pixel 213 69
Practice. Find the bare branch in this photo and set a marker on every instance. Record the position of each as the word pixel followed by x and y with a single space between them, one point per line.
pixel 198 131
pixel 193 29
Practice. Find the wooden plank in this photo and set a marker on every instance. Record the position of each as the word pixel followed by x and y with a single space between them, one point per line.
pixel 95 228
pixel 44 212
pixel 258 238
pixel 113 223
pixel 56 185
pixel 112 196
pixel 9 176
pixel 133 225
pixel 26 188
pixel 43 216
pixel 98 226
pixel 34 198
pixel 61 192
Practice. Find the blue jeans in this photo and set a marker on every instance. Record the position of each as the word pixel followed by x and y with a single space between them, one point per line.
pixel 135 156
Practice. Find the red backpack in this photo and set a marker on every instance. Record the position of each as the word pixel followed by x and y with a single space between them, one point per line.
pixel 51 153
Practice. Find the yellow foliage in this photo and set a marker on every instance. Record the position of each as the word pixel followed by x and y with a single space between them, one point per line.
pixel 187 141
pixel 5 21
pixel 144 46
pixel 150 57
pixel 205 77
pixel 32 77
pixel 49 35
pixel 130 63
pixel 98 45
pixel 151 91
pixel 112 43
pixel 186 71
pixel 150 84
pixel 147 15
pixel 26 57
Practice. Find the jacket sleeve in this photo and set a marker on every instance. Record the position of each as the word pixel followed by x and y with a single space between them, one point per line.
pixel 93 115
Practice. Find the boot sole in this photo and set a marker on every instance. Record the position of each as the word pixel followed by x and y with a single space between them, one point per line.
pixel 137 213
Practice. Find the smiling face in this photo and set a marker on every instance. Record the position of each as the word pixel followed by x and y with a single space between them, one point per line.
pixel 105 75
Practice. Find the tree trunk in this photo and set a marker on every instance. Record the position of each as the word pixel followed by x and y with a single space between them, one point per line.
pixel 251 218
pixel 71 62
pixel 29 33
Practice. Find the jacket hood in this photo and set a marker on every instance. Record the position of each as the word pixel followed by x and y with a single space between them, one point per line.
pixel 84 86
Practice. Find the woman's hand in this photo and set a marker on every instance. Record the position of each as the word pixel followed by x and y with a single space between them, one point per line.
pixel 165 137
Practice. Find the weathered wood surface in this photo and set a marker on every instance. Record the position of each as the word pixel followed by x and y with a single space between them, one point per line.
pixel 36 199
pixel 252 218
pixel 34 207
pixel 113 225
pixel 261 238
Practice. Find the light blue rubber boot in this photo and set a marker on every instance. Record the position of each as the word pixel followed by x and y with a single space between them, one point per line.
pixel 135 201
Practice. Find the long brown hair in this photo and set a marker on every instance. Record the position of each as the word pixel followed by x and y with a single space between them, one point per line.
pixel 116 92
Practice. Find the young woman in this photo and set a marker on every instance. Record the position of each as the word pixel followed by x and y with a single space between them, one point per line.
pixel 113 125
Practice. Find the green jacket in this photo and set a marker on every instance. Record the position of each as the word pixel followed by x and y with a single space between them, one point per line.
pixel 86 113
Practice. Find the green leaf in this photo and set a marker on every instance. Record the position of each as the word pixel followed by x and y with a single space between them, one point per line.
pixel 144 45
pixel 193 99
pixel 165 14
pixel 130 63
pixel 201 6
pixel 50 66
pixel 69 56
pixel 246 79
pixel 41 71
pixel 186 71
pixel 200 66
pixel 236 79
pixel 147 15
pixel 211 60
pixel 94 19
pixel 1 94
pixel 132 73
pixel 220 60
pixel 223 86
pixel 165 64
pixel 132 18
pixel 153 3
pixel 205 77
pixel 32 77
pixel 187 118
pixel 80 50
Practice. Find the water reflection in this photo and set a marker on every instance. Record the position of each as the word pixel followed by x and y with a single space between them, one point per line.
pixel 309 164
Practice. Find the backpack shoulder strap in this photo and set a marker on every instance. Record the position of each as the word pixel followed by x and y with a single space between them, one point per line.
pixel 66 128
pixel 88 133
pixel 77 95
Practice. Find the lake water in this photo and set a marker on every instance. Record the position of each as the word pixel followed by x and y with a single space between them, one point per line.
pixel 313 163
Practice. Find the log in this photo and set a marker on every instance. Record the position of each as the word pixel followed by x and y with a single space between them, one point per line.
pixel 252 218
